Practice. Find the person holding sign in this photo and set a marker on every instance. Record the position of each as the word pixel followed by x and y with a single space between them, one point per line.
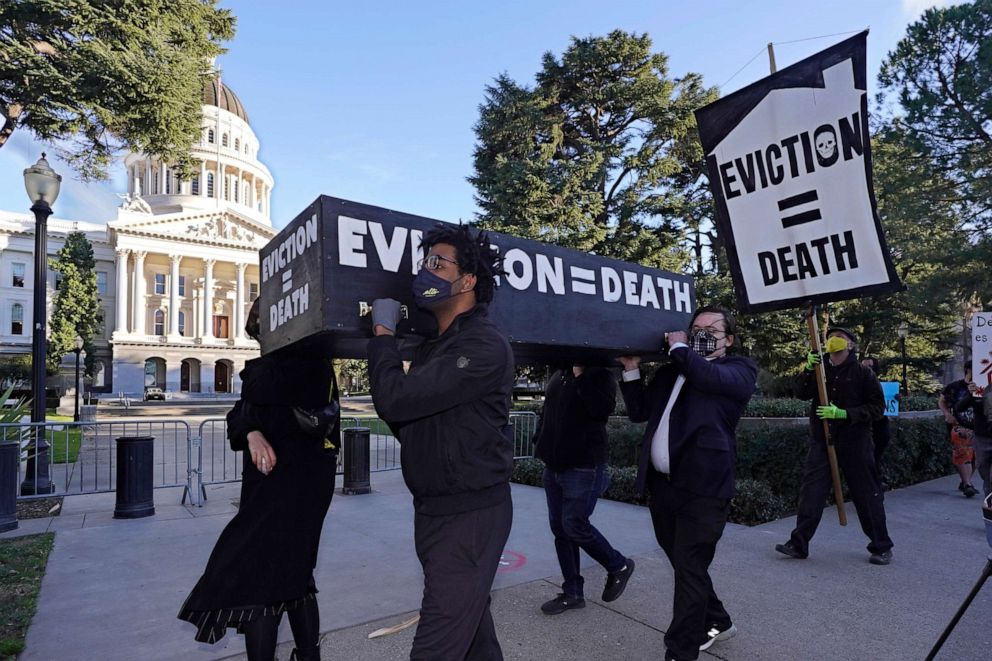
pixel 451 413
pixel 856 400
pixel 686 464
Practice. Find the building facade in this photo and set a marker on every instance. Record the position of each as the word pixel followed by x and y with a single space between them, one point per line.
pixel 177 269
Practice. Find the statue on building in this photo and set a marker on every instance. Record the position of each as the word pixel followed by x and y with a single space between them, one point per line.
pixel 134 202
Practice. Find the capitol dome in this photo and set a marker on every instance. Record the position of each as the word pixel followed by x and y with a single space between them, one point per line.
pixel 231 177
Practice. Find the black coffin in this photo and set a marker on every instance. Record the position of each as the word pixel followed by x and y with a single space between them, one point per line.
pixel 321 272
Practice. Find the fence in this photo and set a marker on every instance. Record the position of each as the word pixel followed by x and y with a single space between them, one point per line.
pixel 83 455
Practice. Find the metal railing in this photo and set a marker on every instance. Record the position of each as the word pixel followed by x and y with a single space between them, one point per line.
pixel 83 455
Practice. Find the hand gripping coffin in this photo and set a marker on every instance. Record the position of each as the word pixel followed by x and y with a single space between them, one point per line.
pixel 320 275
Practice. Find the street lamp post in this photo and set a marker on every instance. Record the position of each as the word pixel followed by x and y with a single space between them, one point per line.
pixel 78 348
pixel 42 185
pixel 903 332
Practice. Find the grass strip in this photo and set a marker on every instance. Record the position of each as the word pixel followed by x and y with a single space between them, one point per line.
pixel 22 566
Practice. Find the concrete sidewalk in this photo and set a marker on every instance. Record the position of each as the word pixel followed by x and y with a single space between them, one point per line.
pixel 113 587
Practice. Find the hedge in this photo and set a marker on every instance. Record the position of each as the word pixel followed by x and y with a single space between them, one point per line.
pixel 770 458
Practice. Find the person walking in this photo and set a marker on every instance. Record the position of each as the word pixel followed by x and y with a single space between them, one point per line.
pixel 855 401
pixel 686 464
pixel 981 439
pixel 450 413
pixel 960 424
pixel 262 565
pixel 571 441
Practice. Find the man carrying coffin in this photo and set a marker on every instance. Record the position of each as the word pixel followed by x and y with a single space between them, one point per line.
pixel 686 464
pixel 856 400
pixel 450 412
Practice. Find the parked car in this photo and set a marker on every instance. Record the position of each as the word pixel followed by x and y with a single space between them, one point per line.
pixel 154 392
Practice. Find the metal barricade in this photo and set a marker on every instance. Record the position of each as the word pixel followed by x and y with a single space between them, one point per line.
pixel 82 455
pixel 524 427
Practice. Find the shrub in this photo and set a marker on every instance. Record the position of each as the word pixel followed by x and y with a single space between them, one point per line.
pixel 529 472
pixel 622 485
pixel 765 407
pixel 755 503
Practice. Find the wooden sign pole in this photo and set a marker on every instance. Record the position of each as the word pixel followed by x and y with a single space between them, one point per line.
pixel 821 386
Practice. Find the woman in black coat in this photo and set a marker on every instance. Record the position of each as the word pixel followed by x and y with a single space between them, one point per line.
pixel 262 565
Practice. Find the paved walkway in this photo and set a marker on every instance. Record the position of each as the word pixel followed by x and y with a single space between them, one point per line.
pixel 113 587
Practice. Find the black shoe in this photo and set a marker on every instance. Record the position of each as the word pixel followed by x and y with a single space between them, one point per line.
pixel 562 603
pixel 883 558
pixel 717 634
pixel 790 550
pixel 312 654
pixel 969 491
pixel 616 581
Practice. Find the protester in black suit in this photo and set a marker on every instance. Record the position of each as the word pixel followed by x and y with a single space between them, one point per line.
pixel 686 464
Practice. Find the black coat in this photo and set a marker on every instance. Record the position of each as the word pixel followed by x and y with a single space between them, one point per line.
pixel 572 429
pixel 850 386
pixel 451 414
pixel 266 554
pixel 702 439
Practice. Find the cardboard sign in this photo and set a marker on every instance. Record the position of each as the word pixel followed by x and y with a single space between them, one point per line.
pixel 891 391
pixel 981 350
pixel 336 257
pixel 789 164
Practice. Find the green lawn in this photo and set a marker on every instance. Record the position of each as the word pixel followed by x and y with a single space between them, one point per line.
pixel 22 566
pixel 64 444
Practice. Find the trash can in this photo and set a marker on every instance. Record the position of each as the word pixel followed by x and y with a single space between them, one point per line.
pixel 356 461
pixel 135 455
pixel 9 463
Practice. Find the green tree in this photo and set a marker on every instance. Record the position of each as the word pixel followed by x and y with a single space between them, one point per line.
pixel 597 156
pixel 77 308
pixel 98 77
pixel 941 74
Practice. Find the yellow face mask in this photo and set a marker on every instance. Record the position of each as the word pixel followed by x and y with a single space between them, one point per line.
pixel 835 344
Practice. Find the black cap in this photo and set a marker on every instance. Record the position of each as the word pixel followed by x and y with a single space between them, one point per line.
pixel 840 329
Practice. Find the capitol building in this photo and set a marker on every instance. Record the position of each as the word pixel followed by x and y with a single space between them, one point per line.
pixel 177 269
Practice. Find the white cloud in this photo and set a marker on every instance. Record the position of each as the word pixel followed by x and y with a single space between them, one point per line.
pixel 913 8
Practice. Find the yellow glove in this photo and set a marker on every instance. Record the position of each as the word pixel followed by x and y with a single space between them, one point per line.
pixel 835 344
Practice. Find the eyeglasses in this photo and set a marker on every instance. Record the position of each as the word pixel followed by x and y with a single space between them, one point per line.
pixel 433 262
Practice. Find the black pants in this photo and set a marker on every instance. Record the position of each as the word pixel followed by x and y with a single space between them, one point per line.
pixel 688 528
pixel 856 461
pixel 460 554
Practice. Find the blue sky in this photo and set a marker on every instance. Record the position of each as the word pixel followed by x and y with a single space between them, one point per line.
pixel 375 101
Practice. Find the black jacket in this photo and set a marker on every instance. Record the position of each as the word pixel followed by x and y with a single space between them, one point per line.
pixel 451 414
pixel 702 439
pixel 976 405
pixel 850 386
pixel 572 429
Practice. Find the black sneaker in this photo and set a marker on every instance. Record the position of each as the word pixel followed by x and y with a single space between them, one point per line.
pixel 969 491
pixel 883 558
pixel 616 581
pixel 716 634
pixel 562 603
pixel 790 550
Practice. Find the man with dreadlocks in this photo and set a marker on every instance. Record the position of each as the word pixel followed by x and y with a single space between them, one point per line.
pixel 451 412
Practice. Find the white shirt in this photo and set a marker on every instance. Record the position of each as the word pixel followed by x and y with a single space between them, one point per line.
pixel 660 456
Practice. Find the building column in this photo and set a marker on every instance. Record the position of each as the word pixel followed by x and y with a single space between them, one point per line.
pixel 174 297
pixel 120 322
pixel 239 303
pixel 139 309
pixel 208 299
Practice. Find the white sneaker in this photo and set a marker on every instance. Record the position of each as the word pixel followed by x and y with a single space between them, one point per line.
pixel 715 634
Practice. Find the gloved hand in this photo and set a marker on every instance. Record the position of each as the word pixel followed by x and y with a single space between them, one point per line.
pixel 835 344
pixel 831 412
pixel 812 360
pixel 385 313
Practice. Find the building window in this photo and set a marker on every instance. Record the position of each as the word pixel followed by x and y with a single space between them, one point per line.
pixel 227 188
pixel 182 323
pixel 17 319
pixel 58 280
pixel 224 140
pixel 17 274
pixel 160 285
pixel 195 186
pixel 210 184
pixel 168 183
pixel 101 282
pixel 236 190
pixel 252 291
pixel 159 322
pixel 237 144
pixel 210 136
pixel 182 286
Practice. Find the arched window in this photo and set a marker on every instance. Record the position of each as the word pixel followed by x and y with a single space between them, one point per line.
pixel 237 189
pixel 237 144
pixel 224 140
pixel 210 136
pixel 154 182
pixel 210 184
pixel 17 319
pixel 99 374
pixel 227 188
pixel 182 323
pixel 195 185
pixel 159 322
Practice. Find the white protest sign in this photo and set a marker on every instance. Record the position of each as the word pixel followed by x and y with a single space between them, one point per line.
pixel 789 165
pixel 981 349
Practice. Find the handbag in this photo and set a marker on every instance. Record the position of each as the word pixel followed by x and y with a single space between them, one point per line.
pixel 318 423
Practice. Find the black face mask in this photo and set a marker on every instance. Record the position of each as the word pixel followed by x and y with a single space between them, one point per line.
pixel 703 342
